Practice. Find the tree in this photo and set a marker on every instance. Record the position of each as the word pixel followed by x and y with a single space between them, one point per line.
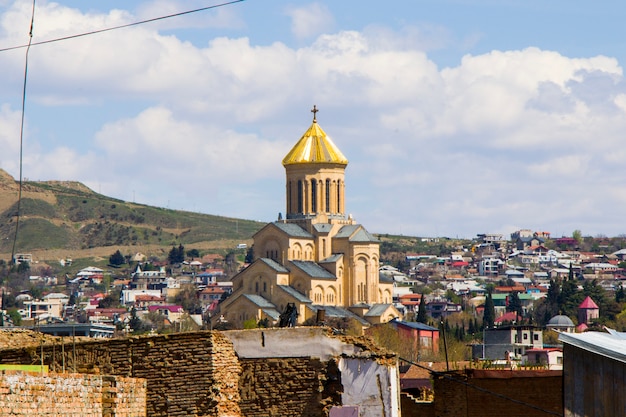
pixel 188 298
pixel 489 315
pixel 117 259
pixel 193 253
pixel 176 255
pixel 577 235
pixel 515 304
pixel 421 311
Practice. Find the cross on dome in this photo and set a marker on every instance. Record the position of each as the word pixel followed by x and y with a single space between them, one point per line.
pixel 314 111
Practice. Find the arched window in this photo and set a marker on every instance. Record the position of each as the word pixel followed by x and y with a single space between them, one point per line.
pixel 327 196
pixel 313 196
pixel 338 196
pixel 300 196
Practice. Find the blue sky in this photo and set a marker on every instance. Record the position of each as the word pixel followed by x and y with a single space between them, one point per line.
pixel 457 117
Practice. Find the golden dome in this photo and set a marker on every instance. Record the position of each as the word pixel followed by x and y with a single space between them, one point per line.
pixel 315 147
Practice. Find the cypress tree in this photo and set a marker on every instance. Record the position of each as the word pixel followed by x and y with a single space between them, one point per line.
pixel 489 315
pixel 421 311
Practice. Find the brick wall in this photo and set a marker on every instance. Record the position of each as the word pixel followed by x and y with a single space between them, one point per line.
pixel 199 373
pixel 69 395
pixel 491 393
pixel 187 373
pixel 303 387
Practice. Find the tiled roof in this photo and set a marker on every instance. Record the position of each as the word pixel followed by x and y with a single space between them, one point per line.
pixel 356 233
pixel 588 303
pixel 313 270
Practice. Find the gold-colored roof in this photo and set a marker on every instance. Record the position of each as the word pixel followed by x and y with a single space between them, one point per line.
pixel 313 148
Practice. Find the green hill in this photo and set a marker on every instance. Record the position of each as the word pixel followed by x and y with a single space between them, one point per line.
pixel 70 216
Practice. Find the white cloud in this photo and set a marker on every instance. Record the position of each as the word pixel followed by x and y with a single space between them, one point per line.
pixel 310 20
pixel 522 137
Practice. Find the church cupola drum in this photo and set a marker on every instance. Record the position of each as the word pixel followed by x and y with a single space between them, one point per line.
pixel 315 170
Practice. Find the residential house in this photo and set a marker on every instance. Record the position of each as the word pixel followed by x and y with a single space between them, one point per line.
pixel 550 358
pixel 508 343
pixel 424 338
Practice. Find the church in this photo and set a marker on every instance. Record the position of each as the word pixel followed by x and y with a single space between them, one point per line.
pixel 316 261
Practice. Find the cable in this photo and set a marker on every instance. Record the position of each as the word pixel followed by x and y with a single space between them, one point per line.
pixel 495 394
pixel 19 194
pixel 141 22
pixel 31 43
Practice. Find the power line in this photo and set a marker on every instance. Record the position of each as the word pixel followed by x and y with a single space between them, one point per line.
pixel 31 43
pixel 19 195
pixel 141 22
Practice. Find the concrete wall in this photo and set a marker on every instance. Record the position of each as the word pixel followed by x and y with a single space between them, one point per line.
pixel 70 395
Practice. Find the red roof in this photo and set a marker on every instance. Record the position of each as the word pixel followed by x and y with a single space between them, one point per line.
pixel 588 303
pixel 510 316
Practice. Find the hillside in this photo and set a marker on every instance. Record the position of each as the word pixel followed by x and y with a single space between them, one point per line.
pixel 68 217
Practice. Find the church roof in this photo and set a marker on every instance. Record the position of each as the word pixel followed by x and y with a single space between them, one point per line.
pixel 355 233
pixel 295 294
pixel 377 310
pixel 332 258
pixel 323 227
pixel 259 301
pixel 274 265
pixel 560 321
pixel 315 147
pixel 588 303
pixel 293 230
pixel 334 311
pixel 313 269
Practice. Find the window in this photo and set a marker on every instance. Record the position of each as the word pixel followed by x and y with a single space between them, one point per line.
pixel 536 337
pixel 327 196
pixel 300 196
pixel 313 196
pixel 525 336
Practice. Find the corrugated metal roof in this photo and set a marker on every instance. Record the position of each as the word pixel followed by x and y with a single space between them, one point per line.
pixel 295 294
pixel 414 325
pixel 611 345
pixel 313 270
